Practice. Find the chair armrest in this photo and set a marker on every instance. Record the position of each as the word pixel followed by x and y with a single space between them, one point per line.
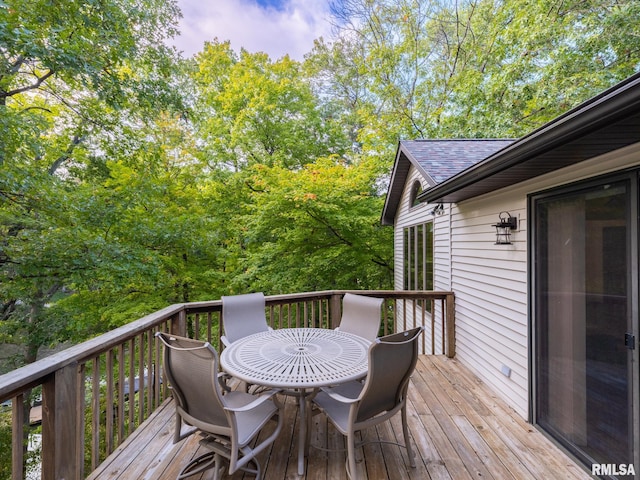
pixel 225 340
pixel 258 401
pixel 338 397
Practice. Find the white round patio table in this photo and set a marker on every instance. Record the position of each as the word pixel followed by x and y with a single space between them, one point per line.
pixel 297 360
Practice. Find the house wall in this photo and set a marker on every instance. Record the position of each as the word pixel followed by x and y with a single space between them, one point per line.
pixel 490 281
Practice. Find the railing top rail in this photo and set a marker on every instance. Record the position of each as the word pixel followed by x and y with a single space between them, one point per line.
pixel 23 377
pixel 17 380
pixel 206 306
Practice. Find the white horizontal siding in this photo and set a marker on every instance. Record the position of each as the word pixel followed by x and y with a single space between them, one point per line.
pixel 398 258
pixel 490 283
pixel 442 251
pixel 408 215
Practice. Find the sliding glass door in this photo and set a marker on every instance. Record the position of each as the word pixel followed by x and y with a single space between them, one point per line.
pixel 584 249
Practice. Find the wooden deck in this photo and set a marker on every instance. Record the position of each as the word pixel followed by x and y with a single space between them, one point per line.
pixel 460 431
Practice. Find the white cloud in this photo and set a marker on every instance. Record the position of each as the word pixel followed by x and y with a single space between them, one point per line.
pixel 289 29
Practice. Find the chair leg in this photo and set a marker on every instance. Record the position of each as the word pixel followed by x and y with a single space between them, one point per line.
pixel 407 439
pixel 351 457
pixel 252 467
pixel 177 428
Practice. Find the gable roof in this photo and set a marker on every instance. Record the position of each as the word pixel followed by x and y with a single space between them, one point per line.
pixel 437 161
pixel 604 123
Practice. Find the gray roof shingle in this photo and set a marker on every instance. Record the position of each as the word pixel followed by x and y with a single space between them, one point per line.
pixel 442 159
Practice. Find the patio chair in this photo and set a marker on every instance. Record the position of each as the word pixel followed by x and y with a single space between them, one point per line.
pixel 242 315
pixel 229 422
pixel 361 315
pixel 355 406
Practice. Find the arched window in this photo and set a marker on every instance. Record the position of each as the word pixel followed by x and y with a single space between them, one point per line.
pixel 416 189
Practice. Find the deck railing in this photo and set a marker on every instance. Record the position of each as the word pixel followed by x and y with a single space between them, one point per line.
pixel 95 394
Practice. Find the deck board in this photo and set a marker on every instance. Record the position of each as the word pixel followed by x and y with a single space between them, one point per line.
pixel 460 430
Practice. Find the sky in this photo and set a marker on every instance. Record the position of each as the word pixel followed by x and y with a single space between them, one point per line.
pixel 276 27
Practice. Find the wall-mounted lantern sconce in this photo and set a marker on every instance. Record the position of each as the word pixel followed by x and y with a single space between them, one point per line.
pixel 504 227
pixel 438 210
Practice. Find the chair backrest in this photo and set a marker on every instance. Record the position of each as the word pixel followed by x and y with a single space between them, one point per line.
pixel 361 315
pixel 243 315
pixel 192 369
pixel 392 360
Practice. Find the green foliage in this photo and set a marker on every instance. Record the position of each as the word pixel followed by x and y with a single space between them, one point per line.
pixel 32 455
pixel 5 442
pixel 77 84
pixel 421 68
pixel 317 228
pixel 254 111
pixel 131 179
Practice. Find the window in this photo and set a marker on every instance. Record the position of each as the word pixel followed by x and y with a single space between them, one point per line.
pixel 418 257
pixel 416 189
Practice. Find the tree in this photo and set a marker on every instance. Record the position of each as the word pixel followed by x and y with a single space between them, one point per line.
pixel 317 228
pixel 476 68
pixel 153 237
pixel 75 79
pixel 255 111
pixel 276 143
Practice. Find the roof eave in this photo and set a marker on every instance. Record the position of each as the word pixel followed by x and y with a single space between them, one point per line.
pixel 390 203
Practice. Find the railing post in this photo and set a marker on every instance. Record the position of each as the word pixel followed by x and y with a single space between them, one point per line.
pixel 60 412
pixel 179 323
pixel 335 310
pixel 451 325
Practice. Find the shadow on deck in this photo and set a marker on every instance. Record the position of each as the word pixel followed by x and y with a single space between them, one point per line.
pixel 460 429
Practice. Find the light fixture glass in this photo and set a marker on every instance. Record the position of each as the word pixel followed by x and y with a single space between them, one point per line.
pixel 504 227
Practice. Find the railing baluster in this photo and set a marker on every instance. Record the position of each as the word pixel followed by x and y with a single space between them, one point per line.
pixel 80 419
pixel 95 414
pixel 154 369
pixel 147 373
pixel 121 382
pixel 131 398
pixel 109 403
pixel 142 380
